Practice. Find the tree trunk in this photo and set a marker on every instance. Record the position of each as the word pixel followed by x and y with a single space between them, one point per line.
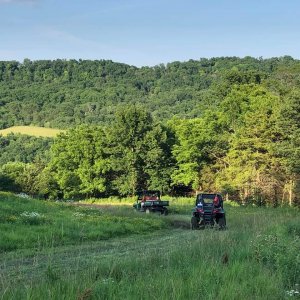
pixel 291 189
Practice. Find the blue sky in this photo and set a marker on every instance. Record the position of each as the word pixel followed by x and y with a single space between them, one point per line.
pixel 148 32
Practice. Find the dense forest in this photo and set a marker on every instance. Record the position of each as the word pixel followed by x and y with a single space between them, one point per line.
pixel 223 124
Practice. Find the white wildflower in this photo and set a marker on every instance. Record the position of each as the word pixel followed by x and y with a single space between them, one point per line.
pixel 107 280
pixel 32 214
pixel 22 195
pixel 78 215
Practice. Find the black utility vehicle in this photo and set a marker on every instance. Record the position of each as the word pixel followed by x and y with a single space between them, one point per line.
pixel 208 212
pixel 149 201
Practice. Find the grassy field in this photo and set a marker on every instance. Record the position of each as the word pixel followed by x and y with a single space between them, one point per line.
pixel 112 252
pixel 32 130
pixel 28 223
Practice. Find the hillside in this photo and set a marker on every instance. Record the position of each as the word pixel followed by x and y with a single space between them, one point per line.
pixel 61 94
pixel 223 124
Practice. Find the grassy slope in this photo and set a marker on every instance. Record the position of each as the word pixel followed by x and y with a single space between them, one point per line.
pixel 261 246
pixel 32 130
pixel 28 223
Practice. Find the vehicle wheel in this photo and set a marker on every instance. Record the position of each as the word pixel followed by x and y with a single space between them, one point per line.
pixel 201 225
pixel 194 223
pixel 166 212
pixel 222 223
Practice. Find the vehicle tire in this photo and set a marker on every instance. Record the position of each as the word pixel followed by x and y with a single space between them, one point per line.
pixel 201 225
pixel 166 212
pixel 194 223
pixel 222 223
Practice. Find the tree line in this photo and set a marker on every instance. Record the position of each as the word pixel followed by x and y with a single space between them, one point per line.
pixel 245 149
pixel 224 124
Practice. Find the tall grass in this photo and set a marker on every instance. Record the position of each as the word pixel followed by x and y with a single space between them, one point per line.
pixel 29 223
pixel 256 258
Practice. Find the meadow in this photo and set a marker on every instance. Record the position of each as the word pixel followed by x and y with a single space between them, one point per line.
pixel 96 250
pixel 32 131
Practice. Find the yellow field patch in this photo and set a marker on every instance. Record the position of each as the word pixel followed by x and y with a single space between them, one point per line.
pixel 32 130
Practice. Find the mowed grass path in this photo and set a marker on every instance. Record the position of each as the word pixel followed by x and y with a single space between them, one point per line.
pixel 32 130
pixel 256 258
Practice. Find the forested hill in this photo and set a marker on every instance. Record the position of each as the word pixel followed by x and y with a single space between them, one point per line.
pixel 64 93
pixel 220 124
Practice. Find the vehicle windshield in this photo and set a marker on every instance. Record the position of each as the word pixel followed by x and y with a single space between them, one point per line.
pixel 207 198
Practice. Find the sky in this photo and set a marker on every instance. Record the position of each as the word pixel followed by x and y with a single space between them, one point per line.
pixel 148 33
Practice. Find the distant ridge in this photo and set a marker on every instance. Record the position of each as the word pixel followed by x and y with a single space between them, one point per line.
pixel 32 130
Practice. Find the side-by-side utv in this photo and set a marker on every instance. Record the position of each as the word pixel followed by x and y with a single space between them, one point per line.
pixel 149 201
pixel 208 212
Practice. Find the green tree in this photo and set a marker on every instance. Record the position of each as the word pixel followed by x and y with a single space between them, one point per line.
pixel 139 153
pixel 251 164
pixel 289 148
pixel 79 162
pixel 11 175
pixel 199 143
pixel 159 162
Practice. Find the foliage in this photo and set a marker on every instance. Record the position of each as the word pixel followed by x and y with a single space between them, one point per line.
pixel 223 124
pixel 79 162
pixel 129 155
pixel 140 155
pixel 65 93
pixel 23 148
pixel 252 164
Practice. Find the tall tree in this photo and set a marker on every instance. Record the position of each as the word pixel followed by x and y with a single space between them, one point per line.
pixel 138 150
pixel 289 148
pixel 80 163
pixel 199 143
pixel 252 166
